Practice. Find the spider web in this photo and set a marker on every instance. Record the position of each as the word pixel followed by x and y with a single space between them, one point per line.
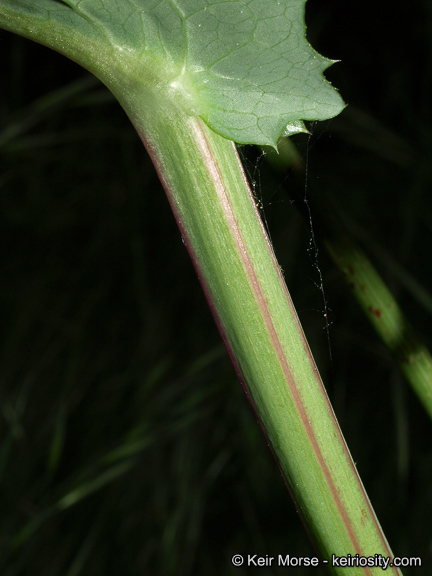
pixel 253 162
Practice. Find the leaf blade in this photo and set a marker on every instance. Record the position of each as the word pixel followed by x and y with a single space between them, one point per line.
pixel 244 66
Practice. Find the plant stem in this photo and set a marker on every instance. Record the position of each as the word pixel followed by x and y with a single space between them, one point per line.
pixel 221 228
pixel 384 314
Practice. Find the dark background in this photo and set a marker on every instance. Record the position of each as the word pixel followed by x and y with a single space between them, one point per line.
pixel 127 446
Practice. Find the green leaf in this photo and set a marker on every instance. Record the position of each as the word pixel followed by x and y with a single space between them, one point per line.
pixel 258 72
pixel 244 66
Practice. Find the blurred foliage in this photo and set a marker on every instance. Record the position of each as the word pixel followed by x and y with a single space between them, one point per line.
pixel 127 446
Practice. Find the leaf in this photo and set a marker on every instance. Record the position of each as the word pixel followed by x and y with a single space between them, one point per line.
pixel 244 66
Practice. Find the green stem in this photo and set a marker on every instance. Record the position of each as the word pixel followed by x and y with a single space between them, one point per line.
pixel 384 314
pixel 222 231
